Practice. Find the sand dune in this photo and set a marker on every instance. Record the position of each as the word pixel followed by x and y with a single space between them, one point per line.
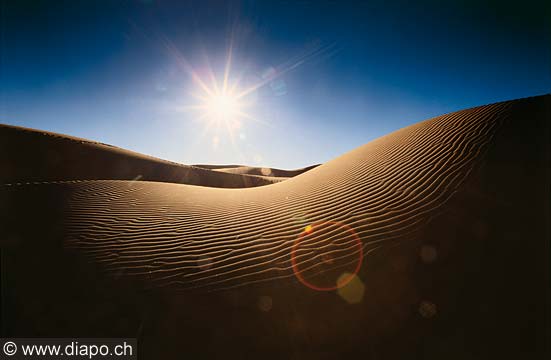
pixel 55 157
pixel 260 171
pixel 427 242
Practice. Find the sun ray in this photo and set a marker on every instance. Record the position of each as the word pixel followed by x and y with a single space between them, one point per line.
pixel 223 104
pixel 219 107
pixel 215 88
pixel 289 66
pixel 184 65
pixel 250 117
pixel 227 67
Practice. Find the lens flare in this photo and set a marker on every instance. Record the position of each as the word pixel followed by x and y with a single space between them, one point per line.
pixel 325 248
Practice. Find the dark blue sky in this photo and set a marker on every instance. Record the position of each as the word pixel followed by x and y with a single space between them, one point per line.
pixel 347 72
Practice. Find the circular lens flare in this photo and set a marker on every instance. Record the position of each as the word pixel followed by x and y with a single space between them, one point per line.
pixel 344 232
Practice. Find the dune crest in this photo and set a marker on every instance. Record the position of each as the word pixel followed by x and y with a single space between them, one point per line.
pixel 260 171
pixel 55 157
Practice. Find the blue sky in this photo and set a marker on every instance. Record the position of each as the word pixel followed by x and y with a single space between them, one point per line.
pixel 341 73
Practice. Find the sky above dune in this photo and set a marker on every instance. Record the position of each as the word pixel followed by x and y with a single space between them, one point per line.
pixel 307 81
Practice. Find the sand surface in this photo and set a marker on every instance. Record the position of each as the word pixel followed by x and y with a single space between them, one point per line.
pixel 430 242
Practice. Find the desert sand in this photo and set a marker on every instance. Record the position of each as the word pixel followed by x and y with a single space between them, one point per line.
pixel 430 242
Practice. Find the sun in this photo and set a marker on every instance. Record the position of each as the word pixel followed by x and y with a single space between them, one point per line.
pixel 220 103
pixel 222 108
pixel 225 102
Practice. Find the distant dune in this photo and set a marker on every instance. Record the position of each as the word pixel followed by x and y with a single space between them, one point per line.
pixel 260 171
pixel 30 155
pixel 430 242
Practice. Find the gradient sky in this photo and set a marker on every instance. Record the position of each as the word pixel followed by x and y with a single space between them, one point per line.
pixel 345 73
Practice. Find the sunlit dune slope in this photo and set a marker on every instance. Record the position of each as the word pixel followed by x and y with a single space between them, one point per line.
pixel 427 242
pixel 29 155
pixel 386 190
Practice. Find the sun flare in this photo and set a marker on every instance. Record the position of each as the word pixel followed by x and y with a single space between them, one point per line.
pixel 221 104
pixel 222 108
pixel 226 102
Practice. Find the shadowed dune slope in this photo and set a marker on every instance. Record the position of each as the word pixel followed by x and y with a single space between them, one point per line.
pixel 29 155
pixel 444 224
